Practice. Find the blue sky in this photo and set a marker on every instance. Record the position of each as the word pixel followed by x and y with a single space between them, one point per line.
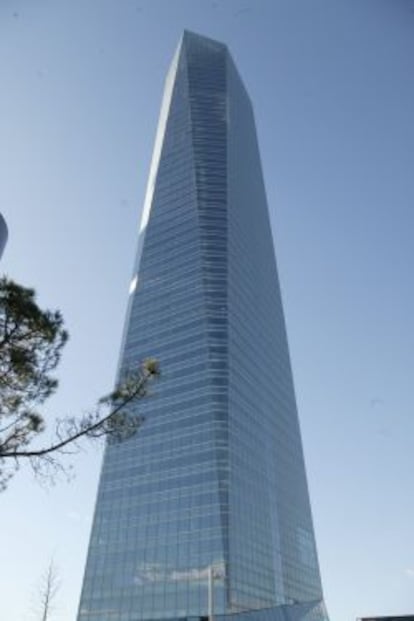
pixel 332 83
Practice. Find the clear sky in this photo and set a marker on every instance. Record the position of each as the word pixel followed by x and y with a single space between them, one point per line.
pixel 332 83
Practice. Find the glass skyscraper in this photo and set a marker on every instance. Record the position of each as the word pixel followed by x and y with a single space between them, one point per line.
pixel 215 476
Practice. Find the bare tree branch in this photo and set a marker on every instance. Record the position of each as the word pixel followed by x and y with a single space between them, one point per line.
pixel 94 429
pixel 47 592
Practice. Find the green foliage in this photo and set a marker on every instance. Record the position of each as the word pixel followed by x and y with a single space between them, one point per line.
pixel 31 342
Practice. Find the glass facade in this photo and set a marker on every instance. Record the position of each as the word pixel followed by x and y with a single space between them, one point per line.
pixel 215 476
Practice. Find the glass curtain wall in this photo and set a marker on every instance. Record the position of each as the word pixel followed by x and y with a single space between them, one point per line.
pixel 215 476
